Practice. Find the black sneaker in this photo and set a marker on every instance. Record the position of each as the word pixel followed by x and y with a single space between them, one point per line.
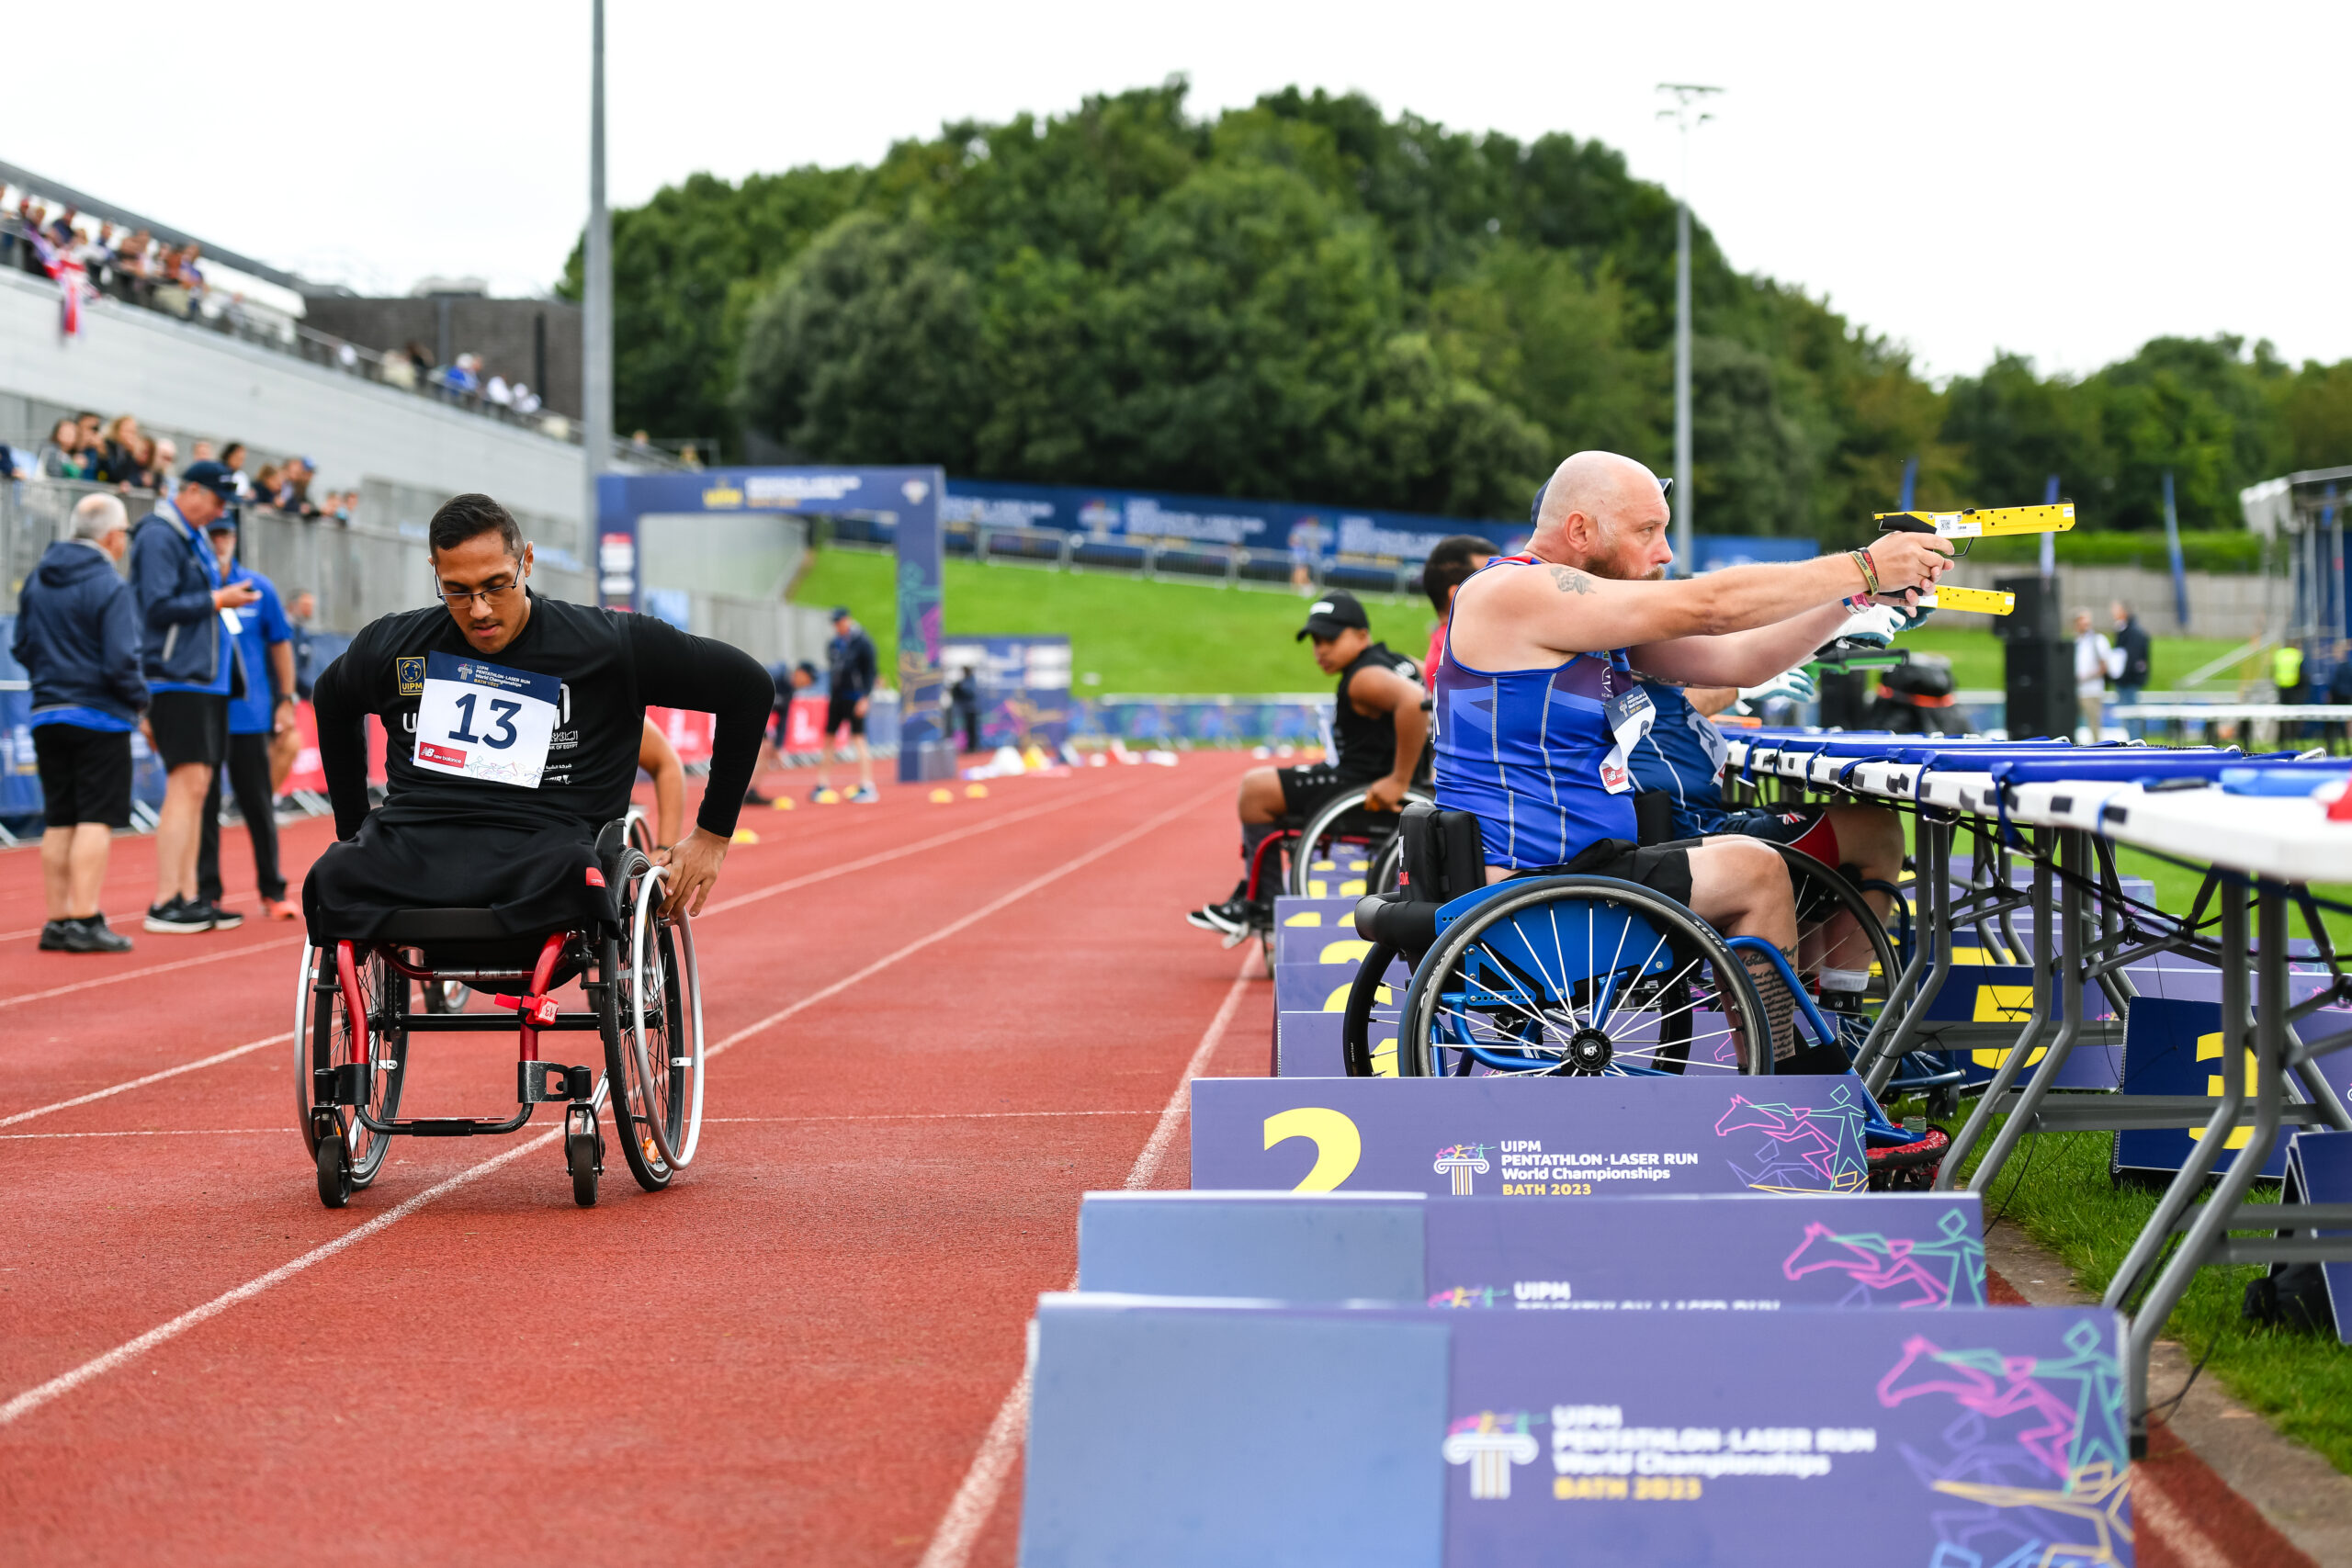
pixel 178 916
pixel 92 934
pixel 222 920
pixel 57 936
pixel 1234 919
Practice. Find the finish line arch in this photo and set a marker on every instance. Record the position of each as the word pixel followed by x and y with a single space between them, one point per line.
pixel 906 498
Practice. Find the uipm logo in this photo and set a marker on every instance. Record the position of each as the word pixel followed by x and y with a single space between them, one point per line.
pixel 1490 1443
pixel 1460 1162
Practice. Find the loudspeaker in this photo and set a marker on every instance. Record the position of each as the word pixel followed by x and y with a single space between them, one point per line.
pixel 1846 697
pixel 2039 682
pixel 2039 615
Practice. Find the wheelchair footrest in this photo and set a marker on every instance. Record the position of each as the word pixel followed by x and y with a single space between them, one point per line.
pixel 344 1085
pixel 540 1083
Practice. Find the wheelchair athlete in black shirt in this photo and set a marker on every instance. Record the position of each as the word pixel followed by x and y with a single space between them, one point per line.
pixel 514 724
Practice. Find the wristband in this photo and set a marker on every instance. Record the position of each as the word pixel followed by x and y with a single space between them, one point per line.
pixel 1862 560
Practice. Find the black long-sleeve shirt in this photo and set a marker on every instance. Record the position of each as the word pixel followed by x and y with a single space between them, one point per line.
pixel 610 664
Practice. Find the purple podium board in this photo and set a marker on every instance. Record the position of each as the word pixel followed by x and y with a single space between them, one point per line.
pixel 1323 987
pixel 1560 1138
pixel 1318 944
pixel 1174 1433
pixel 2319 1170
pixel 1308 1044
pixel 1337 916
pixel 2175 1047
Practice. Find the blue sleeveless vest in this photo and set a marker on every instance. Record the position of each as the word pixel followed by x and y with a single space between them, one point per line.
pixel 1522 750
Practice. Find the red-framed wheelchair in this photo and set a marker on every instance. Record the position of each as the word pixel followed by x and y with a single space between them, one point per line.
pixel 355 1027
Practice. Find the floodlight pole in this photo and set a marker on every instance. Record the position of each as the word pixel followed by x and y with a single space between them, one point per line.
pixel 1685 113
pixel 596 314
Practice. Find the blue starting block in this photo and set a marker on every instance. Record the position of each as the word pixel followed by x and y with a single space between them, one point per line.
pixel 1720 1252
pixel 1168 1433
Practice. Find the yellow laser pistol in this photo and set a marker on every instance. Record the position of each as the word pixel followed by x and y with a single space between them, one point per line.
pixel 1982 523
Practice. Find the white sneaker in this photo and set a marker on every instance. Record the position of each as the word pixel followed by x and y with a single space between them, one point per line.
pixel 866 795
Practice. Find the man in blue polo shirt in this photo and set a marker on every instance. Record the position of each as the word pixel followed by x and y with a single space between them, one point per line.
pixel 265 647
pixel 192 670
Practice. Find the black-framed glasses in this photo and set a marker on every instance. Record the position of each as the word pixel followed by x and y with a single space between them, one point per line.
pixel 490 594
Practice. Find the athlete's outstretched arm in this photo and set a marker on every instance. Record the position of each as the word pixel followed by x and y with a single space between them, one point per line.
pixel 1741 658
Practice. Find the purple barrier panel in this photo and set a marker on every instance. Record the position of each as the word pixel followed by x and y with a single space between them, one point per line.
pixel 2319 1170
pixel 1567 1137
pixel 1323 987
pixel 1308 1044
pixel 2175 1047
pixel 1979 1436
pixel 1335 915
pixel 1711 1252
pixel 1318 944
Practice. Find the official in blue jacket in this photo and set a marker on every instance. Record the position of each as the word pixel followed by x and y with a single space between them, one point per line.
pixel 265 646
pixel 77 637
pixel 192 670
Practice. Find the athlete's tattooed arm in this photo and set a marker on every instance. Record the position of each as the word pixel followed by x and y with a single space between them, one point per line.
pixel 1570 581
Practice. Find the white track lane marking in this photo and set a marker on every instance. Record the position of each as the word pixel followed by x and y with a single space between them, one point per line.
pixel 983 1486
pixel 1024 814
pixel 57 1387
pixel 2158 1515
pixel 153 1132
pixel 152 1077
pixel 151 969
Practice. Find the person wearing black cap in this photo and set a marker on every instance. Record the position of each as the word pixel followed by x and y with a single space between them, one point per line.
pixel 1378 729
pixel 192 669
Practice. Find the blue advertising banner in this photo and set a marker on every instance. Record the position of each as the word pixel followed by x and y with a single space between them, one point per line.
pixel 1721 1252
pixel 1023 688
pixel 1211 721
pixel 1965 1438
pixel 907 498
pixel 1554 1138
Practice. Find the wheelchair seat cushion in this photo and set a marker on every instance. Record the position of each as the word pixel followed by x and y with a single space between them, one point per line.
pixel 528 881
pixel 441 925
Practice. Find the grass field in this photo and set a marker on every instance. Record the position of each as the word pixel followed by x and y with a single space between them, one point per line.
pixel 1144 636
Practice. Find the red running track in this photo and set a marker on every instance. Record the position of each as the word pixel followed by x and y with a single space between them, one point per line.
pixel 941 1025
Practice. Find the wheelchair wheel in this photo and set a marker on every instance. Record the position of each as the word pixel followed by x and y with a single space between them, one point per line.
pixel 629 1098
pixel 1342 820
pixel 638 829
pixel 1826 899
pixel 446 996
pixel 323 1039
pixel 1388 866
pixel 1581 976
pixel 662 1020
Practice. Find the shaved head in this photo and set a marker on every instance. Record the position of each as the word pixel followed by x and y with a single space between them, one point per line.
pixel 1593 503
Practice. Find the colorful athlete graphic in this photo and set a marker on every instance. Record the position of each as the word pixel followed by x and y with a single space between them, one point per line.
pixel 1460 1162
pixel 1897 1271
pixel 1803 1149
pixel 1465 1296
pixel 2039 1451
pixel 1490 1443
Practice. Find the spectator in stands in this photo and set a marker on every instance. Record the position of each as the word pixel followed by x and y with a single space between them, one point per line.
pixel 61 456
pixel 192 670
pixel 464 377
pixel 263 647
pixel 117 460
pixel 525 400
pixel 77 637
pixel 162 456
pixel 265 485
pixel 497 391
pixel 94 435
pixel 1450 561
pixel 134 269
pixel 202 452
pixel 232 457
pixel 295 488
pixel 398 370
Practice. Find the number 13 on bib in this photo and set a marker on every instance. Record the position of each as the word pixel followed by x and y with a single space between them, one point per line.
pixel 485 721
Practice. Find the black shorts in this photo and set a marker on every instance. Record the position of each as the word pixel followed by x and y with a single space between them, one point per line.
pixel 1307 789
pixel 534 879
pixel 84 775
pixel 190 726
pixel 843 709
pixel 1661 868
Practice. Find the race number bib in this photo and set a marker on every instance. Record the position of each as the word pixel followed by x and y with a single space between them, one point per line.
pixel 484 721
pixel 1629 718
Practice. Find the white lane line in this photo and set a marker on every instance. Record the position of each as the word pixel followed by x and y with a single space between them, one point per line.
pixel 155 1133
pixel 142 1083
pixel 2159 1516
pixel 118 979
pixel 34 1398
pixel 900 853
pixel 983 1485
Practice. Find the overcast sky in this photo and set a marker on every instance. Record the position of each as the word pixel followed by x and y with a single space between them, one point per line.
pixel 2061 181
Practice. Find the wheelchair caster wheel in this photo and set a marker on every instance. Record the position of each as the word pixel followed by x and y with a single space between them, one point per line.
pixel 334 1172
pixel 581 1152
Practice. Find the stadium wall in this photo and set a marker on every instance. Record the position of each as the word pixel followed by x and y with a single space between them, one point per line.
pixel 180 377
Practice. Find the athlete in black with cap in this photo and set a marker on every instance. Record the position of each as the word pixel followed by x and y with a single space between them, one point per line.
pixel 515 723
pixel 1377 732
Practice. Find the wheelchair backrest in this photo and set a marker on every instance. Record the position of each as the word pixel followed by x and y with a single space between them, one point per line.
pixel 1444 857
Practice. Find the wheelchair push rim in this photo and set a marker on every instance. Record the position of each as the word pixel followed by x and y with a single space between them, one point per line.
pixel 664 1016
pixel 1581 976
pixel 1317 833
